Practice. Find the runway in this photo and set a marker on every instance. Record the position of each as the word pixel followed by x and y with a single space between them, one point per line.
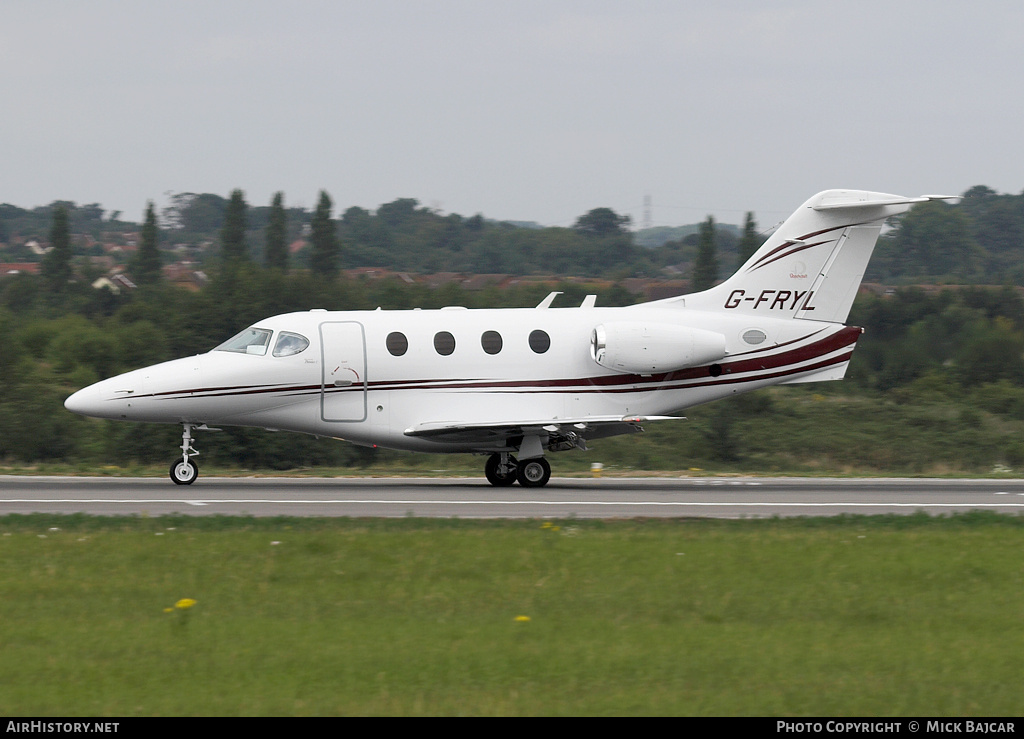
pixel 747 497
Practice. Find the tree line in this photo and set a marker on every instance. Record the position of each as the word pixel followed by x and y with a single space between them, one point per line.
pixel 978 241
pixel 401 235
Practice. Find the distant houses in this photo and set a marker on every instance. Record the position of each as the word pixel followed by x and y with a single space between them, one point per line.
pixel 187 275
pixel 19 268
pixel 115 283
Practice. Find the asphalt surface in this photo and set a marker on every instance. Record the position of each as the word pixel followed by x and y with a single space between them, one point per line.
pixel 474 498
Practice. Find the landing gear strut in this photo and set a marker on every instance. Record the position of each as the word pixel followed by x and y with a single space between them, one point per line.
pixel 184 471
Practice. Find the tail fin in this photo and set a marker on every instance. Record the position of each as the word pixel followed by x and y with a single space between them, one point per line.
pixel 811 267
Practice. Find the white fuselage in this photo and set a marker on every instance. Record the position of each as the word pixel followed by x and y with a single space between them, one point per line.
pixel 352 382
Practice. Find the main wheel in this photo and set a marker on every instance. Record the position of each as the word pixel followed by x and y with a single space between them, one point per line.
pixel 495 475
pixel 534 473
pixel 184 473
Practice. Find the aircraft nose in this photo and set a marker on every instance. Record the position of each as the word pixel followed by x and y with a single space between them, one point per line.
pixel 85 402
pixel 104 399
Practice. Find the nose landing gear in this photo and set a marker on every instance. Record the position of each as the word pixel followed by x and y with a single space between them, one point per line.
pixel 184 471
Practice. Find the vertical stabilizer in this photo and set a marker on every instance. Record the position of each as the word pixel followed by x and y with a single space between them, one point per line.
pixel 811 267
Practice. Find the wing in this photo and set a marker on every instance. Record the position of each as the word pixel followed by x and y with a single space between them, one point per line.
pixel 562 433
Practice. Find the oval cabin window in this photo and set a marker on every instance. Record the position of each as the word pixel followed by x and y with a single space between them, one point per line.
pixel 396 343
pixel 491 342
pixel 444 343
pixel 540 342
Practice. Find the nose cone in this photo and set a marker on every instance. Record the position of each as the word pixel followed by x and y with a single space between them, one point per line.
pixel 85 402
pixel 111 398
pixel 158 394
pixel 100 400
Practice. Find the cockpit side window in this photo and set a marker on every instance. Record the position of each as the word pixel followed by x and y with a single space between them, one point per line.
pixel 289 344
pixel 249 341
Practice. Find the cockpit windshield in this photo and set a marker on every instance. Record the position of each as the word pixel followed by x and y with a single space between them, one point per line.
pixel 249 341
pixel 257 341
pixel 289 344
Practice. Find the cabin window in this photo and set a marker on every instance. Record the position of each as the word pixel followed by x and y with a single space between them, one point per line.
pixel 491 342
pixel 250 341
pixel 444 343
pixel 289 344
pixel 396 343
pixel 540 342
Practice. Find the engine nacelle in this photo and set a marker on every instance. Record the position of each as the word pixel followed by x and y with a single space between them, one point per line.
pixel 644 348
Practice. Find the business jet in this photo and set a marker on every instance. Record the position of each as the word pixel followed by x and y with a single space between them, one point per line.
pixel 514 384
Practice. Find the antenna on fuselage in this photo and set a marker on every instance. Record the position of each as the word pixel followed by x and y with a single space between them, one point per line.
pixel 546 302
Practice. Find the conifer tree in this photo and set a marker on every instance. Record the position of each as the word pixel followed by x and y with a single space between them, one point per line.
pixel 324 239
pixel 145 265
pixel 748 242
pixel 275 252
pixel 57 262
pixel 233 249
pixel 705 266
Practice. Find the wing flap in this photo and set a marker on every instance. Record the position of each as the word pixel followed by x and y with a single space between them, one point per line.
pixel 490 432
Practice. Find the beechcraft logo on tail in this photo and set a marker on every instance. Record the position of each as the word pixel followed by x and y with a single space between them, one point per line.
pixel 786 300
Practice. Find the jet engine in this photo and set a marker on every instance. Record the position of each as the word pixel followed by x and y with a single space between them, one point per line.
pixel 644 349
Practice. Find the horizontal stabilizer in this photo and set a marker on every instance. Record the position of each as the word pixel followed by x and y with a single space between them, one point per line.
pixel 851 205
pixel 867 202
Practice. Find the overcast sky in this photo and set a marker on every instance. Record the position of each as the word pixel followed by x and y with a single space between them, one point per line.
pixel 518 110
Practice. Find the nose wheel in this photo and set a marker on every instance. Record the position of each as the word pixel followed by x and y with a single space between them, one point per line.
pixel 184 471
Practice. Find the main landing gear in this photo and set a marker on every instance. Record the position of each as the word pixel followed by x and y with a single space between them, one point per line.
pixel 502 469
pixel 534 473
pixel 184 471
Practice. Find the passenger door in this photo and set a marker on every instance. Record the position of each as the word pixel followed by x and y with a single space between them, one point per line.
pixel 343 379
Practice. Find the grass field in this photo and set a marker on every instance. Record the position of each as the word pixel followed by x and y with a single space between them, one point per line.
pixel 852 616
